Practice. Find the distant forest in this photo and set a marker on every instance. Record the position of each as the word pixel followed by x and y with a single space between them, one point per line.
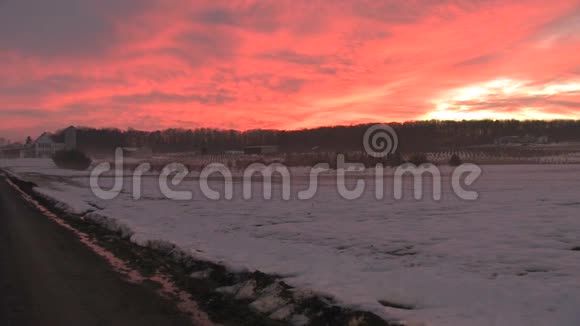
pixel 413 136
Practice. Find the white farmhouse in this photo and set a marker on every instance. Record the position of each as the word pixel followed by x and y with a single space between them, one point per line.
pixel 45 146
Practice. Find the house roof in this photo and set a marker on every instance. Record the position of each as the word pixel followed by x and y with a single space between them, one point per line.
pixel 44 135
pixel 51 137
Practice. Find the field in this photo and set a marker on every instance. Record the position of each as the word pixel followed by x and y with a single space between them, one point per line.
pixel 554 153
pixel 509 258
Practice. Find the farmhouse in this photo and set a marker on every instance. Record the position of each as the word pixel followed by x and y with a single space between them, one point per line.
pixel 45 146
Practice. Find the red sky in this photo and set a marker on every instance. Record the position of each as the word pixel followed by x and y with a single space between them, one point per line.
pixel 152 64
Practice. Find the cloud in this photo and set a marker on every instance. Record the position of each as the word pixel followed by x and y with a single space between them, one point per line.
pixel 504 97
pixel 28 113
pixel 155 97
pixel 288 85
pixel 319 64
pixel 64 27
pixel 479 60
pixel 328 71
pixel 258 16
pixel 294 57
pixel 561 29
pixel 199 46
pixel 408 12
pixel 54 84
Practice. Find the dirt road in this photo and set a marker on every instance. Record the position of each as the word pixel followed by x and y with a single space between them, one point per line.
pixel 47 277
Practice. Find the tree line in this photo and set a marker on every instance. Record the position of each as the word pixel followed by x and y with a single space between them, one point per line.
pixel 414 136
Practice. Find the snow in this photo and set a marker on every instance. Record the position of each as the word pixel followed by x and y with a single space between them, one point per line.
pixel 504 259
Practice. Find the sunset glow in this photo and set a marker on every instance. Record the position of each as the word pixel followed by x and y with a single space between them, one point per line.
pixel 156 64
pixel 507 99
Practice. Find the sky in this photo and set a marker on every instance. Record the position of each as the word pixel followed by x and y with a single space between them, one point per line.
pixel 155 64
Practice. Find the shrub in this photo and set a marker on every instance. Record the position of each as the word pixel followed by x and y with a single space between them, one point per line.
pixel 455 160
pixel 72 160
